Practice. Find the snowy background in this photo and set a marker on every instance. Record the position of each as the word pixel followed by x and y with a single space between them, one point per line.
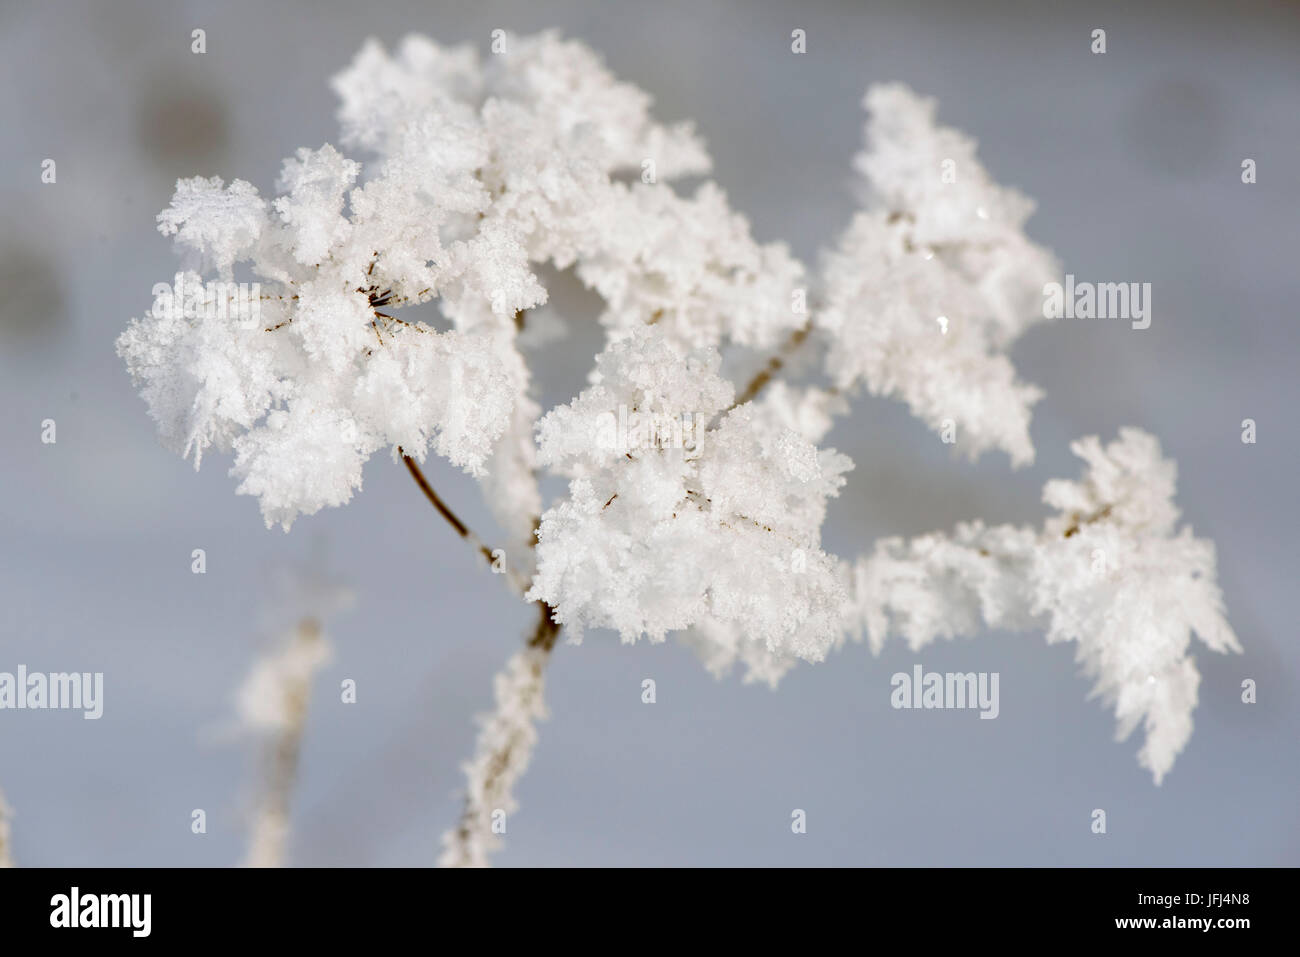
pixel 1134 158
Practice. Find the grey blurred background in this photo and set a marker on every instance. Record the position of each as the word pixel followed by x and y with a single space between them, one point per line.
pixel 1134 157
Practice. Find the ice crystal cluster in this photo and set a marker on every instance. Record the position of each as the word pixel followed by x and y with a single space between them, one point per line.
pixel 1109 572
pixel 721 528
pixel 936 240
pixel 686 512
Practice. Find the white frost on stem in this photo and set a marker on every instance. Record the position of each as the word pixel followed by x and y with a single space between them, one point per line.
pixel 673 519
pixel 6 833
pixel 505 746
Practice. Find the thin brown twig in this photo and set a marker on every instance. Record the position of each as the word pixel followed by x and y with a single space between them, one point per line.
pixel 774 365
pixel 1080 521
pixel 494 556
pixel 547 630
pixel 461 528
pixel 542 642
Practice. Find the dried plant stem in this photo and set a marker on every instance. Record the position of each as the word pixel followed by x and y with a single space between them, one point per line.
pixel 505 746
pixel 508 734
pixel 6 816
pixel 1079 520
pixel 271 825
pixel 774 365
pixel 495 557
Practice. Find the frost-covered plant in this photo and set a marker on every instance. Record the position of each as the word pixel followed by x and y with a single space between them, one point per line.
pixel 695 503
pixel 1108 572
pixel 659 538
pixel 6 816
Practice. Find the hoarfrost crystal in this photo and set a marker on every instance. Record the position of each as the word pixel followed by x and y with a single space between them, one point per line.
pixel 1108 572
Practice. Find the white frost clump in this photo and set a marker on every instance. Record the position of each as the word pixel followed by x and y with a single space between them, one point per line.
pixel 588 108
pixel 481 170
pixel 1108 572
pixel 690 266
pixel 673 519
pixel 310 378
pixel 559 135
pixel 934 280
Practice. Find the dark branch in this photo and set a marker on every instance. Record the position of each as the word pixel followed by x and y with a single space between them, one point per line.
pixel 774 365
pixel 461 528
